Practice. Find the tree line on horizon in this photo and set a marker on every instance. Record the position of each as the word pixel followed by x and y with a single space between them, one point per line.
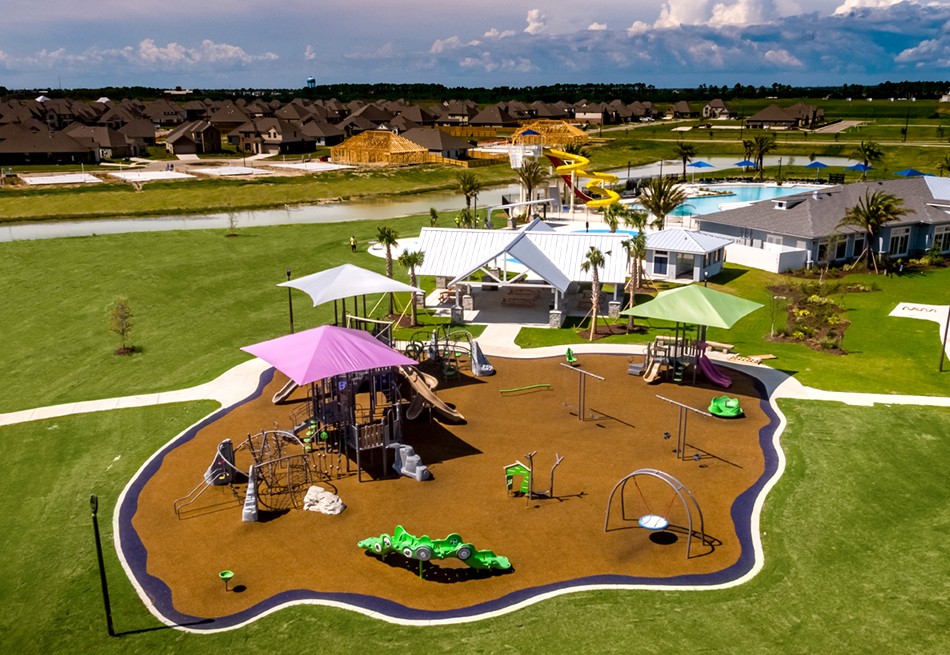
pixel 593 92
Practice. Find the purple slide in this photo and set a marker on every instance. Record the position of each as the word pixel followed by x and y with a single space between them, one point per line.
pixel 712 373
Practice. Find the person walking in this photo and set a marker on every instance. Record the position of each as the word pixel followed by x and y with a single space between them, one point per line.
pixel 353 243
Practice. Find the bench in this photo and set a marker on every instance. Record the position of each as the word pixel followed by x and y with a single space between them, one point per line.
pixel 721 347
pixel 446 294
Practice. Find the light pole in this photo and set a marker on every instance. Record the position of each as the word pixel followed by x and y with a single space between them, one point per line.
pixel 290 304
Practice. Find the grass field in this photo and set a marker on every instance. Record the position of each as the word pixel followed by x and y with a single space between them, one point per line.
pixel 853 537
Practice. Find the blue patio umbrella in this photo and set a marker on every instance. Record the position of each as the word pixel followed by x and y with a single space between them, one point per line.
pixel 911 172
pixel 699 164
pixel 817 165
pixel 864 168
pixel 745 163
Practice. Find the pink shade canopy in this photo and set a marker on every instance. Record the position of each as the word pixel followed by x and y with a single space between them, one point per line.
pixel 326 351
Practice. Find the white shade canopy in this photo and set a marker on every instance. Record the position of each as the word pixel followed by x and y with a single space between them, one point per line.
pixel 345 281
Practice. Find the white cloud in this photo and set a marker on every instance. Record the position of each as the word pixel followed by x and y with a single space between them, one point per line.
pixel 309 53
pixel 597 27
pixel 783 58
pixel 675 13
pixel 441 45
pixel 488 63
pixel 638 27
pixel 741 12
pixel 850 5
pixel 493 33
pixel 927 53
pixel 537 22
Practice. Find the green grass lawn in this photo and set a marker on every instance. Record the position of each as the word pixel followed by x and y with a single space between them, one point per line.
pixel 885 354
pixel 853 537
pixel 198 296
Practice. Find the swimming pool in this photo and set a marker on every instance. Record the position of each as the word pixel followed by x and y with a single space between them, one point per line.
pixel 737 193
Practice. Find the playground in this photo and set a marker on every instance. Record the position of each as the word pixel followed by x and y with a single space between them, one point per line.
pixel 566 535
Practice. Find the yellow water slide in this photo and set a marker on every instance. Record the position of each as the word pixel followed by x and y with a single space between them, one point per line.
pixel 572 166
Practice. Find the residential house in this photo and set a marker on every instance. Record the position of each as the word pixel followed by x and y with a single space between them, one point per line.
pixel 592 113
pixel 112 144
pixel 193 138
pixel 716 109
pixel 438 142
pixel 802 230
pixel 20 145
pixel 682 109
pixel 269 136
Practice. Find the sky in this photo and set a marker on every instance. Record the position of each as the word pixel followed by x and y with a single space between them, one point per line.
pixel 218 44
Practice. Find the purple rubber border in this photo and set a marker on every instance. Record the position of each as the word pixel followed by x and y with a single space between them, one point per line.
pixel 160 596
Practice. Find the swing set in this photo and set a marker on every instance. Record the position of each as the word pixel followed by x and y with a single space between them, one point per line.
pixel 642 512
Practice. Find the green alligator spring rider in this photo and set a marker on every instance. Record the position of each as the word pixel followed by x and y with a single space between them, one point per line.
pixel 725 407
pixel 425 548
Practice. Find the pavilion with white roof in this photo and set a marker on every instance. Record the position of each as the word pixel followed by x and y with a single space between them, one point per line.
pixel 533 259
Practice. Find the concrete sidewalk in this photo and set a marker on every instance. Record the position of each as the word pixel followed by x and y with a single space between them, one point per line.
pixel 230 387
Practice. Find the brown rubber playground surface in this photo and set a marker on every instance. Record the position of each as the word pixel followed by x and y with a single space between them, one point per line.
pixel 550 542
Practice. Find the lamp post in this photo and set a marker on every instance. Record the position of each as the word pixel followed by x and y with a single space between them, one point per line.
pixel 290 304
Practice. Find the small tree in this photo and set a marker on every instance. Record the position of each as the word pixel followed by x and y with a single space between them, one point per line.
pixel 870 214
pixel 433 217
pixel 685 152
pixel 661 196
pixel 120 323
pixel 388 237
pixel 593 262
pixel 410 260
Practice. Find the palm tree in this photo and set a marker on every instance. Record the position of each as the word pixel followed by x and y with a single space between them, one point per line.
pixel 660 197
pixel 466 219
pixel 470 186
pixel 686 152
pixel 613 214
pixel 636 249
pixel 868 152
pixel 532 174
pixel 759 147
pixel 410 260
pixel 388 237
pixel 944 165
pixel 870 214
pixel 593 262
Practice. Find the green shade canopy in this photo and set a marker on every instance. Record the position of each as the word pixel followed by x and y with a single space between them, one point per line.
pixel 695 305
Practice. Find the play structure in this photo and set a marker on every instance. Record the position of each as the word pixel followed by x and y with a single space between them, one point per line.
pixel 641 509
pixel 355 406
pixel 425 398
pixel 447 350
pixel 691 305
pixel 669 358
pixel 282 467
pixel 408 463
pixel 571 167
pixel 425 549
pixel 526 473
pixel 725 407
